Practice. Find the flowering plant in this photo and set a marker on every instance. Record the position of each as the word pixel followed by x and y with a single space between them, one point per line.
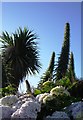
pixel 59 90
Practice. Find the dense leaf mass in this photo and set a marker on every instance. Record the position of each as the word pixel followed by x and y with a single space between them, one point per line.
pixel 21 50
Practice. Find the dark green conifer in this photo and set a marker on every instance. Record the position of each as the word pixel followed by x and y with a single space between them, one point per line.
pixel 63 59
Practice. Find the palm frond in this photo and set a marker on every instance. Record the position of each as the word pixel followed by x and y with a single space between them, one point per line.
pixel 21 49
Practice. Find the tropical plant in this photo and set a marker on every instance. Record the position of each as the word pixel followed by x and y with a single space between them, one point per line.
pixel 6 74
pixel 20 50
pixel 49 74
pixel 63 59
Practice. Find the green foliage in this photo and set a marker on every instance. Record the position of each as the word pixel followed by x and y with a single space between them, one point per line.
pixel 44 78
pixel 7 91
pixel 21 50
pixel 58 98
pixel 47 86
pixel 62 66
pixel 37 92
pixel 48 75
pixel 65 82
pixel 76 89
pixel 55 103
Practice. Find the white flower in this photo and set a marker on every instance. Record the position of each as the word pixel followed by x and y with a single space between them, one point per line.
pixel 59 90
pixel 41 97
pixel 48 97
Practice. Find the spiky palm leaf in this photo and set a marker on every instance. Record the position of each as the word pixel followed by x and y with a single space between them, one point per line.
pixel 22 51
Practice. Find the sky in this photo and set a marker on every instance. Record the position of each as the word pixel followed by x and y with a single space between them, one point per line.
pixel 48 20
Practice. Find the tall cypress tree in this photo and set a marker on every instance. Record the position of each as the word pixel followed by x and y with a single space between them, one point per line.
pixel 64 56
pixel 48 75
pixel 71 69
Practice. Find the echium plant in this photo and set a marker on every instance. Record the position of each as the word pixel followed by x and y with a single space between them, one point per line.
pixel 63 59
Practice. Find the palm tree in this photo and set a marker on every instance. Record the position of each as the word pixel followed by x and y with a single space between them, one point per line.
pixel 20 50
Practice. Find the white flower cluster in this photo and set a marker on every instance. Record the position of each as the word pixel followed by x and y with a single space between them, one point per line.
pixel 59 90
pixel 48 97
pixel 40 97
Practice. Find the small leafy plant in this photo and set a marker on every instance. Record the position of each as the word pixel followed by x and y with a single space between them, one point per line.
pixel 7 91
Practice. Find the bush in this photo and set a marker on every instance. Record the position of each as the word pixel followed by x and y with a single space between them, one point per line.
pixel 7 91
pixel 59 90
pixel 55 103
pixel 47 86
pixel 76 90
pixel 65 82
pixel 37 92
pixel 58 98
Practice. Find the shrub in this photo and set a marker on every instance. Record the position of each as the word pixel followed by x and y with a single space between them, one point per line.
pixel 59 90
pixel 65 82
pixel 7 91
pixel 47 86
pixel 76 90
pixel 37 92
pixel 55 103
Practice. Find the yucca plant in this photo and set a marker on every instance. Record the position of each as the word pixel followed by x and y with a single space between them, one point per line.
pixel 21 50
